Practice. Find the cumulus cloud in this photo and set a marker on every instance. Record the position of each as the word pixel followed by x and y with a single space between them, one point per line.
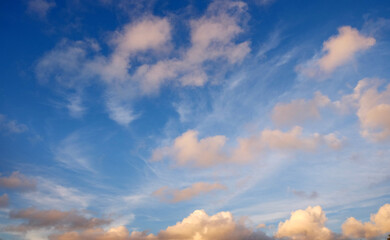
pixel 379 225
pixel 60 220
pixel 179 195
pixel 337 51
pixel 373 110
pixel 17 182
pixel 299 111
pixel 11 126
pixel 4 200
pixel 308 224
pixel 40 7
pixel 198 225
pixel 187 149
pixel 212 38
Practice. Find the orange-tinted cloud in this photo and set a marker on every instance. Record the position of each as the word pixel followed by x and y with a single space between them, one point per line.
pixel 379 225
pixel 17 182
pixel 308 224
pixel 179 195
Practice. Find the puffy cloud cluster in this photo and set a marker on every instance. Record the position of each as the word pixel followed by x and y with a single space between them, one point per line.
pixel 73 65
pixel 299 111
pixel 212 38
pixel 187 149
pixel 338 50
pixel 17 182
pixel 60 220
pixel 373 109
pixel 40 7
pixel 308 224
pixel 378 226
pixel 198 225
pixel 179 195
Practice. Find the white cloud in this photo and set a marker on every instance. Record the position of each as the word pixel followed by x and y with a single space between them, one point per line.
pixel 11 126
pixel 73 153
pixel 40 7
pixel 378 226
pixel 179 195
pixel 52 195
pixel 337 51
pixel 308 224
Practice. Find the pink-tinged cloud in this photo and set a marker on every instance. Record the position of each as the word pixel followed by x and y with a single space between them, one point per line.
pixel 4 200
pixel 17 182
pixel 179 195
pixel 188 150
pixel 60 220
pixel 198 225
pixel 299 111
pixel 337 51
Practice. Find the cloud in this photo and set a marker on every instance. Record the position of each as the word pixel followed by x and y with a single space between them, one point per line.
pixel 187 149
pixel 52 195
pixel 198 225
pixel 212 39
pixel 73 65
pixel 379 225
pixel 11 126
pixel 40 7
pixel 299 111
pixel 196 189
pixel 337 51
pixel 17 182
pixel 72 152
pixel 116 233
pixel 308 224
pixel 303 194
pixel 4 201
pixel 373 110
pixel 60 220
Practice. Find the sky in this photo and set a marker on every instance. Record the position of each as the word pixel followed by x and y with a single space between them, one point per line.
pixel 194 120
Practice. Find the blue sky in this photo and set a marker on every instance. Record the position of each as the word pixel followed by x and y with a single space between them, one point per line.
pixel 258 119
